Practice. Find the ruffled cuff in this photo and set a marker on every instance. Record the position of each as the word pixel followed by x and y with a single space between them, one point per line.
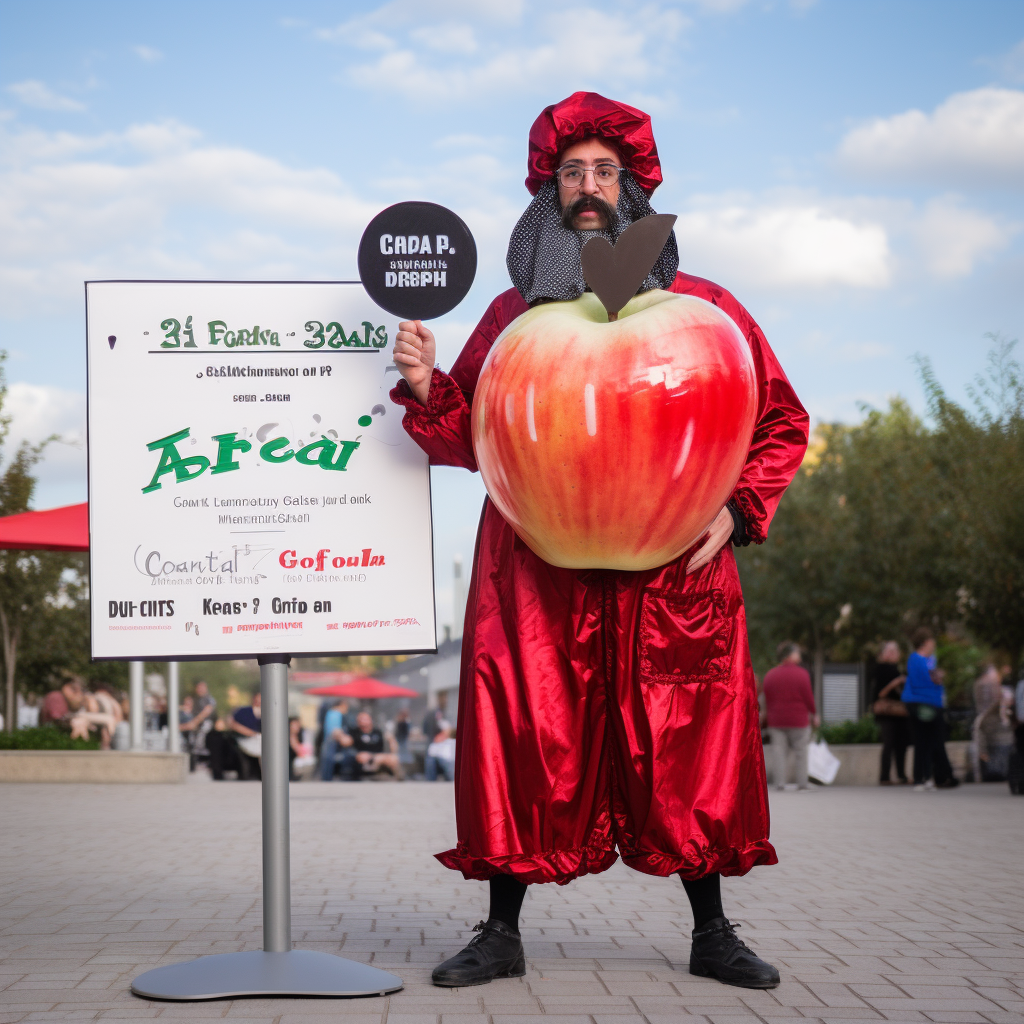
pixel 744 503
pixel 443 396
pixel 698 860
pixel 441 427
pixel 740 538
pixel 558 866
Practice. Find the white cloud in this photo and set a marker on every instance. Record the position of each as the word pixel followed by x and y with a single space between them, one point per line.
pixel 447 38
pixel 608 50
pixel 36 413
pixel 819 342
pixel 787 244
pixel 1011 65
pixel 973 138
pixel 953 239
pixel 718 6
pixel 155 200
pixel 147 53
pixel 34 93
pixel 399 15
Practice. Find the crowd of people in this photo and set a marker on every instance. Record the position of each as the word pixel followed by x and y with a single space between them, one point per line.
pixel 909 708
pixel 908 704
pixel 352 747
pixel 347 744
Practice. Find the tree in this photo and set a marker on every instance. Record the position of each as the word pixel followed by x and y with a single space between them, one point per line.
pixel 27 578
pixel 980 455
pixel 892 523
pixel 856 552
pixel 796 583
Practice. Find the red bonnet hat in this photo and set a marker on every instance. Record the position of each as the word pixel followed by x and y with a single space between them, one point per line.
pixel 588 113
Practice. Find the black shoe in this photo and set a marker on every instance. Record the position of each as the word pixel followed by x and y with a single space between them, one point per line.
pixel 497 952
pixel 948 784
pixel 719 952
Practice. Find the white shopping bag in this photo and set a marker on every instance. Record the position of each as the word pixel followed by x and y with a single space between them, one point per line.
pixel 822 764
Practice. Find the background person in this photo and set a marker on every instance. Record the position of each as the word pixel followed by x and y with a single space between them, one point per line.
pixel 296 748
pixel 402 729
pixel 335 741
pixel 435 716
pixel 790 708
pixel 197 727
pixel 440 756
pixel 367 744
pixel 890 713
pixel 994 734
pixel 226 750
pixel 60 705
pixel 925 698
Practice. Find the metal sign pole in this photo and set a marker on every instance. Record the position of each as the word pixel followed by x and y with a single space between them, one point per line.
pixel 136 697
pixel 277 969
pixel 173 700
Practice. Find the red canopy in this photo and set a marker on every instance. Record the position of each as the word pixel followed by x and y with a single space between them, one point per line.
pixel 361 688
pixel 56 529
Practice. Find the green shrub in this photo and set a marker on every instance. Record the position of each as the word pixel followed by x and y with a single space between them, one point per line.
pixel 46 737
pixel 864 731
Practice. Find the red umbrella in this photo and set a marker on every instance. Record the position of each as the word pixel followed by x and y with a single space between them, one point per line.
pixel 55 529
pixel 362 688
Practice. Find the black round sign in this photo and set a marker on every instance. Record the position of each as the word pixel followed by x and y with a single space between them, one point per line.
pixel 417 260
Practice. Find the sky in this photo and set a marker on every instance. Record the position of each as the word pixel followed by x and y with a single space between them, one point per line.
pixel 853 171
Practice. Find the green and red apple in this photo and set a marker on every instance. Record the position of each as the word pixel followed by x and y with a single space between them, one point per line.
pixel 615 445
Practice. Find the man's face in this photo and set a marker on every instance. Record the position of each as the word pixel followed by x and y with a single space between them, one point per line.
pixel 365 722
pixel 890 653
pixel 256 701
pixel 201 689
pixel 927 649
pixel 73 692
pixel 587 206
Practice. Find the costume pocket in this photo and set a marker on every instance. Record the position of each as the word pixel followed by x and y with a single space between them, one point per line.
pixel 684 638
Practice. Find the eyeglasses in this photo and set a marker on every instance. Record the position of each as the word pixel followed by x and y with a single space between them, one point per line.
pixel 572 175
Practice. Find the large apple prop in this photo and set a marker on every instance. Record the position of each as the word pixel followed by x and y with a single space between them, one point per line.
pixel 615 444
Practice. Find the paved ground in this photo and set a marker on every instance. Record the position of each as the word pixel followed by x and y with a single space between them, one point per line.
pixel 887 905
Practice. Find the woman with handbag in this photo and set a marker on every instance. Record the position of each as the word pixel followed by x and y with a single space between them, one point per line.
pixel 891 713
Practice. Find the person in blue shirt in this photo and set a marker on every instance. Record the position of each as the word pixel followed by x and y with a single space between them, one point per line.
pixel 336 725
pixel 925 698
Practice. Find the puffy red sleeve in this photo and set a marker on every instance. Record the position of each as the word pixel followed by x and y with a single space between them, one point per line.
pixel 780 432
pixel 442 428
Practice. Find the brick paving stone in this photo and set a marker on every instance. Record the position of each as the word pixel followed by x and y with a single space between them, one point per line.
pixel 129 877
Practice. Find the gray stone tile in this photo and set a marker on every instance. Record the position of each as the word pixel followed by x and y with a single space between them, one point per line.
pixel 851 943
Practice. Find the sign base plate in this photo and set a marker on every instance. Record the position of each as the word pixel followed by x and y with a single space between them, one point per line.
pixel 301 972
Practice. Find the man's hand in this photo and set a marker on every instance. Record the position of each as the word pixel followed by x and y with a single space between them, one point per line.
pixel 717 537
pixel 415 350
pixel 816 721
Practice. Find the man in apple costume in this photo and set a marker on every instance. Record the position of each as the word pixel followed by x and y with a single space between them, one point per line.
pixel 604 711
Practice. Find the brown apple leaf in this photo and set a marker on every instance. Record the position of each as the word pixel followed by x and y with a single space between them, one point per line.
pixel 616 272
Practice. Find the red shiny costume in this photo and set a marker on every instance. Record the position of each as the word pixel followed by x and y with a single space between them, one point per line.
pixel 604 711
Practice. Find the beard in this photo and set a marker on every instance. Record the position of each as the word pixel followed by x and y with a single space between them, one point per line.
pixel 584 204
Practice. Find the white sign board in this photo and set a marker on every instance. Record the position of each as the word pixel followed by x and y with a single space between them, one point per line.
pixel 251 489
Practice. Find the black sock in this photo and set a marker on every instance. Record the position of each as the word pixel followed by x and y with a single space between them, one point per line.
pixel 506 900
pixel 705 896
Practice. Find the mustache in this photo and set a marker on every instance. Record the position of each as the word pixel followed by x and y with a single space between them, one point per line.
pixel 584 204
